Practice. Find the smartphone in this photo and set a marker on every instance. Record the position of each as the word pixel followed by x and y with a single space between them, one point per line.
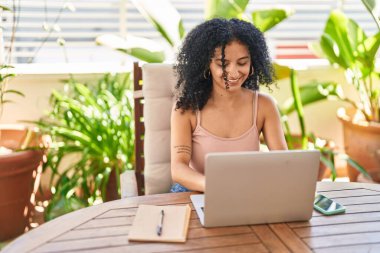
pixel 327 206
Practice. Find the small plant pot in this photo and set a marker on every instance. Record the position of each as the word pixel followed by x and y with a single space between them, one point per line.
pixel 361 143
pixel 18 174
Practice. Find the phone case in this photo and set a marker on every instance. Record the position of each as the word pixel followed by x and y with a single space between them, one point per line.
pixel 342 209
pixel 336 211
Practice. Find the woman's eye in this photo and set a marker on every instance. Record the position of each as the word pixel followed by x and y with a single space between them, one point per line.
pixel 242 63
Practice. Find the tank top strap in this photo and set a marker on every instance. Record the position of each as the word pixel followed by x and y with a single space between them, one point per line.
pixel 198 115
pixel 255 105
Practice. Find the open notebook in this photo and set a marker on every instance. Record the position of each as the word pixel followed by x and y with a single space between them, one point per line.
pixel 175 223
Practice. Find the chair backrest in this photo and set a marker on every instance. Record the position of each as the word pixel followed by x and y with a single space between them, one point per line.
pixel 153 104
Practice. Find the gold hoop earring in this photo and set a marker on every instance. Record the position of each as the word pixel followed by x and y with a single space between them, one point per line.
pixel 252 71
pixel 206 74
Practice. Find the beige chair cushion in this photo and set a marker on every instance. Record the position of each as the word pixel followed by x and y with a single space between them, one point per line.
pixel 158 87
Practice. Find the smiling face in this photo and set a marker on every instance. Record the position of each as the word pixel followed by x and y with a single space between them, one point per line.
pixel 237 66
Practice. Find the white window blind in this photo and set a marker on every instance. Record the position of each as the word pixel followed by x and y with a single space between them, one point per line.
pixel 91 18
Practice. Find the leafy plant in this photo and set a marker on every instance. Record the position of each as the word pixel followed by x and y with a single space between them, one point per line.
pixel 305 95
pixel 168 23
pixel 92 139
pixel 5 75
pixel 345 44
pixel 264 20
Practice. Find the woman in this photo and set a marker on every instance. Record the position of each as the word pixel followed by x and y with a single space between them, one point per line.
pixel 218 108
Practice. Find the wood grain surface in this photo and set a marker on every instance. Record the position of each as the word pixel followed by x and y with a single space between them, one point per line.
pixel 105 227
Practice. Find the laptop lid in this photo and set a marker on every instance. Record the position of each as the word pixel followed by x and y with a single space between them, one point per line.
pixel 259 187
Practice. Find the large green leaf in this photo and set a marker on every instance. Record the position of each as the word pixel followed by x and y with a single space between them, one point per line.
pixel 267 19
pixel 372 45
pixel 141 48
pixel 332 51
pixel 311 93
pixel 225 9
pixel 356 35
pixel 165 18
pixel 367 52
pixel 337 29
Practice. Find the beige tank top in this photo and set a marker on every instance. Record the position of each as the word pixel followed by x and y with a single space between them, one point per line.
pixel 205 142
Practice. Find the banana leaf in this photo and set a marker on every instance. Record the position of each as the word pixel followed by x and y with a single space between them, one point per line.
pixel 265 20
pixel 141 48
pixel 226 9
pixel 164 17
pixel 310 93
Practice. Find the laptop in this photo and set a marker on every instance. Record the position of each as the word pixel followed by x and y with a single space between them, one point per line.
pixel 258 187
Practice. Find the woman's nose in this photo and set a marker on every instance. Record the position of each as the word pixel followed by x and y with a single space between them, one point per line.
pixel 232 72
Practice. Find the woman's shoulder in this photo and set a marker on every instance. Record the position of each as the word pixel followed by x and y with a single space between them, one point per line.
pixel 266 100
pixel 179 114
pixel 182 112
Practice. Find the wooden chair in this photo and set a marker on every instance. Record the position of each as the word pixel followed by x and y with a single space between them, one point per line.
pixel 139 127
pixel 153 100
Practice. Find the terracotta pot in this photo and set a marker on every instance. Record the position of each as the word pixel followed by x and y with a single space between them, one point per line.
pixel 361 143
pixel 322 168
pixel 18 173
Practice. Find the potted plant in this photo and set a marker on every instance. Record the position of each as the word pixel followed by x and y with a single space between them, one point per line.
pixel 92 133
pixel 302 96
pixel 21 153
pixel 345 44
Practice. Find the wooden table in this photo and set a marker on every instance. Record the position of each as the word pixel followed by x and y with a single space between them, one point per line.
pixel 104 228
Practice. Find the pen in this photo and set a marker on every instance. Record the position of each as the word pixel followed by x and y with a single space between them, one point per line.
pixel 160 222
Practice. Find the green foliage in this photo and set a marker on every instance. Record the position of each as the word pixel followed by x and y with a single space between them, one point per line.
pixel 373 7
pixel 141 48
pixel 92 135
pixel 5 8
pixel 168 23
pixel 4 71
pixel 226 9
pixel 308 94
pixel 344 43
pixel 265 20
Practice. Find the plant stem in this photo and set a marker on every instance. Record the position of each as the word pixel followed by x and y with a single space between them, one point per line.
pixel 298 106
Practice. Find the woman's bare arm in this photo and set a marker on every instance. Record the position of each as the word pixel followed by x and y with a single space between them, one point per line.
pixel 181 148
pixel 272 129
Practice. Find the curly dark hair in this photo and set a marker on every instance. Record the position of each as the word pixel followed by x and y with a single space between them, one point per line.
pixel 193 86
